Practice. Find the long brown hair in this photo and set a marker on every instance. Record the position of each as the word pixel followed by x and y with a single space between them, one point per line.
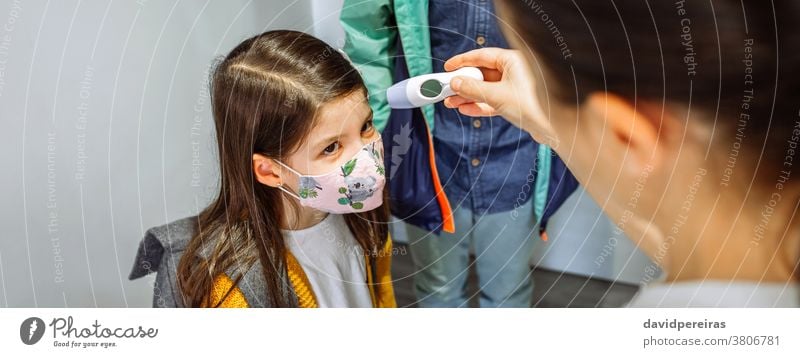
pixel 265 94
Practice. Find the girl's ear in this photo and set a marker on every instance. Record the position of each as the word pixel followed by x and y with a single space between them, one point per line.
pixel 266 171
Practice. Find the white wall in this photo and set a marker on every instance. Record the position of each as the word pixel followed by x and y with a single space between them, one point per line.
pixel 584 241
pixel 326 21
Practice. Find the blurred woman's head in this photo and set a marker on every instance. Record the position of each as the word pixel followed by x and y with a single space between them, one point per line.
pixel 681 118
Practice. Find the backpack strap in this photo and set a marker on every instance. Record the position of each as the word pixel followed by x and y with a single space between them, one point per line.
pixel 544 159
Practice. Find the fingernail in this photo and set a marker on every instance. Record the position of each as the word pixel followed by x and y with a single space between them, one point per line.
pixel 456 83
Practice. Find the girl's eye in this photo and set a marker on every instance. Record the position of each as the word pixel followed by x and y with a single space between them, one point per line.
pixel 331 149
pixel 368 126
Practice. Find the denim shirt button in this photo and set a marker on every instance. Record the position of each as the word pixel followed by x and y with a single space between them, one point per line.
pixel 476 162
pixel 480 40
pixel 476 123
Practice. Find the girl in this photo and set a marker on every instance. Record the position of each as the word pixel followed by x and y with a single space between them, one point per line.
pixel 299 220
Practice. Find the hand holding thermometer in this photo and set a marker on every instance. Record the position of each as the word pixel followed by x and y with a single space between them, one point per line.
pixel 427 88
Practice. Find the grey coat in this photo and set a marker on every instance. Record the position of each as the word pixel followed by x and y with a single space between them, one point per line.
pixel 160 251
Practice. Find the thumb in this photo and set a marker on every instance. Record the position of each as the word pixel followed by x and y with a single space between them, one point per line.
pixel 475 90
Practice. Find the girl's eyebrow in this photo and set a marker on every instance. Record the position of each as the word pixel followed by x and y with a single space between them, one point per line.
pixel 327 140
pixel 335 137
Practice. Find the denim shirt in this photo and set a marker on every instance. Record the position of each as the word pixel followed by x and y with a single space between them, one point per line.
pixel 485 164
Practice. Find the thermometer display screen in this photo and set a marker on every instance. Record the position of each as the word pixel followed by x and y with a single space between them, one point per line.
pixel 430 88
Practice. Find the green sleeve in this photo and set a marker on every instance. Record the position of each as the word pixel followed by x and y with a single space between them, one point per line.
pixel 370 35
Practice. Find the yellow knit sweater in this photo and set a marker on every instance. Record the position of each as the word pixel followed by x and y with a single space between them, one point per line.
pixel 302 287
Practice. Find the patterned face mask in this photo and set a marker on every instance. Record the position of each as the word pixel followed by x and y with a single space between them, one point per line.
pixel 356 186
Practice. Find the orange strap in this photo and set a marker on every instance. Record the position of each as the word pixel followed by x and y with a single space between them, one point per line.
pixel 448 225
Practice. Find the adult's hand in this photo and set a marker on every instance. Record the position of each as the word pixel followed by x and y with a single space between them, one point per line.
pixel 508 90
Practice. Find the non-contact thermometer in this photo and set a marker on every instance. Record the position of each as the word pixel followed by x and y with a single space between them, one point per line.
pixel 427 88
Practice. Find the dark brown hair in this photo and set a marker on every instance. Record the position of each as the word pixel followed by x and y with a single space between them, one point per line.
pixel 690 53
pixel 265 94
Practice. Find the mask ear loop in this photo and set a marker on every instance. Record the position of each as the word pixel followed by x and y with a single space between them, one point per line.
pixel 290 193
pixel 280 184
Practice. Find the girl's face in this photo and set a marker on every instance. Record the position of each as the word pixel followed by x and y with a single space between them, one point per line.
pixel 341 128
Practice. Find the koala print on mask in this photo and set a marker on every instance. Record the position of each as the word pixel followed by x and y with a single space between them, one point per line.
pixel 360 188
